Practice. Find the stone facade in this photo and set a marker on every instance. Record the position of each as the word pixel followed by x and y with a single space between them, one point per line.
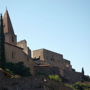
pixel 53 59
pixel 16 54
pixel 23 44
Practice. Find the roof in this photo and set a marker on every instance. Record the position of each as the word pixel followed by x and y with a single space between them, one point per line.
pixel 8 28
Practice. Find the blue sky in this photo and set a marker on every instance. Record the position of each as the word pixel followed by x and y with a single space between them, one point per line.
pixel 62 26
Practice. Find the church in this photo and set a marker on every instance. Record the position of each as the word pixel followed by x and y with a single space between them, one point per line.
pixel 14 51
pixel 41 60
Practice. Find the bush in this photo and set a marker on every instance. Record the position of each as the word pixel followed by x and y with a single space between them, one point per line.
pixel 81 86
pixel 70 86
pixel 18 68
pixel 55 77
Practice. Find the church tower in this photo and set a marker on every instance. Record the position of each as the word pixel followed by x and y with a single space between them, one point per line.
pixel 10 36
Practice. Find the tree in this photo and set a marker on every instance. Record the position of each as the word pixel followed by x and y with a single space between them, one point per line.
pixel 82 71
pixel 18 68
pixel 83 77
pixel 2 43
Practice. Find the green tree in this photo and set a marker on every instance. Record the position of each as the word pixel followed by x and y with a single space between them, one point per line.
pixel 2 41
pixel 82 71
pixel 83 76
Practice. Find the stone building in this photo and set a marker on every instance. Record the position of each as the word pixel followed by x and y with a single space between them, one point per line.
pixel 15 51
pixel 53 59
pixel 56 62
pixel 41 59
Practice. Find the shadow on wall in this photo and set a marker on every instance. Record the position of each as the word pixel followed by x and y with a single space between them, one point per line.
pixel 46 70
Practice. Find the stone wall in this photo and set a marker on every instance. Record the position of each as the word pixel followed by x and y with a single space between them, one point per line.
pixel 10 38
pixel 72 76
pixel 38 54
pixel 15 54
pixel 23 44
pixel 52 58
pixel 46 70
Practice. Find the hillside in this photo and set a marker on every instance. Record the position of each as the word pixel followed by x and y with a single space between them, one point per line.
pixel 10 81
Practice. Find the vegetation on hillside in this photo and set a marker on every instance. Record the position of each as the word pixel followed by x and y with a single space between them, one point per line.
pixel 55 78
pixel 79 86
pixel 16 69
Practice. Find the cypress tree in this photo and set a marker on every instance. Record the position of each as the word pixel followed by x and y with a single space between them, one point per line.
pixel 82 71
pixel 83 77
pixel 2 43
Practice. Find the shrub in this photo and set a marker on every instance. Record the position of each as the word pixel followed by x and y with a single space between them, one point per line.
pixel 55 77
pixel 81 86
pixel 18 68
pixel 70 86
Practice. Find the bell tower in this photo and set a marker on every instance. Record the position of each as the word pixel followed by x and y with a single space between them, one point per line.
pixel 10 36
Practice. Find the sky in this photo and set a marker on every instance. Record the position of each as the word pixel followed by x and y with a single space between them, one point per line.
pixel 62 26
